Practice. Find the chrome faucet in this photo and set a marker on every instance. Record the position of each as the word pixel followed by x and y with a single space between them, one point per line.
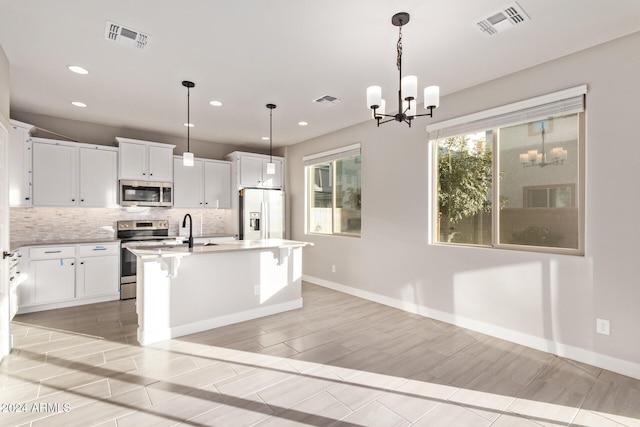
pixel 184 224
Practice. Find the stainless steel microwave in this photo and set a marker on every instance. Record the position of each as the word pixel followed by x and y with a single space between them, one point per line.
pixel 145 193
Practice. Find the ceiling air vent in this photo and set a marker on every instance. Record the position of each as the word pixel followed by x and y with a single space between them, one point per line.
pixel 504 19
pixel 327 100
pixel 126 36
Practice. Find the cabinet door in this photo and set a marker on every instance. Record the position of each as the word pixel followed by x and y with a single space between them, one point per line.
pixel 187 184
pixel 273 181
pixel 20 167
pixel 217 185
pixel 250 171
pixel 97 276
pixel 160 164
pixel 132 161
pixel 98 177
pixel 52 280
pixel 54 175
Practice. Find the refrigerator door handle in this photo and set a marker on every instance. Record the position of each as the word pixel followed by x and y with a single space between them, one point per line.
pixel 265 221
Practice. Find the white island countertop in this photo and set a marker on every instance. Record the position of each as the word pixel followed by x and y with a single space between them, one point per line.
pixel 182 290
pixel 179 250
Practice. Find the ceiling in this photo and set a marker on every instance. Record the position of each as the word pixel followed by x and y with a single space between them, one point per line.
pixel 249 53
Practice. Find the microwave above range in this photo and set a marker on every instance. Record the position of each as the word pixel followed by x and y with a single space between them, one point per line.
pixel 145 193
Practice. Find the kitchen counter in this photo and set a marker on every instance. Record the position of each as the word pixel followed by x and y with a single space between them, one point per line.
pixel 180 250
pixel 182 291
pixel 17 245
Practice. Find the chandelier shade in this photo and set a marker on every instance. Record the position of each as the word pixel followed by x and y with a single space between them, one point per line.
pixel 407 91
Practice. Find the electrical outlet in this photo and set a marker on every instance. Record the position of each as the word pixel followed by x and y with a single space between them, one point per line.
pixel 256 290
pixel 602 326
pixel 333 268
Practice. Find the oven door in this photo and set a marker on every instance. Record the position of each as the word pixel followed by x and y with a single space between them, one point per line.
pixel 127 272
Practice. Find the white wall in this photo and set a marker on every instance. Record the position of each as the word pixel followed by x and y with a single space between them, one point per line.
pixel 550 302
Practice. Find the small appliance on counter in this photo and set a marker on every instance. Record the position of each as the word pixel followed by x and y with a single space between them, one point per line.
pixel 137 233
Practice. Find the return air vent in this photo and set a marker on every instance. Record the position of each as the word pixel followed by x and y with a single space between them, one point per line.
pixel 504 19
pixel 327 100
pixel 126 36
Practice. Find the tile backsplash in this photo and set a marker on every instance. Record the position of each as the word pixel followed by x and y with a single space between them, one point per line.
pixel 60 224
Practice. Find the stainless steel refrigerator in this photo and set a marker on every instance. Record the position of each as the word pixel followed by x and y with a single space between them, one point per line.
pixel 261 214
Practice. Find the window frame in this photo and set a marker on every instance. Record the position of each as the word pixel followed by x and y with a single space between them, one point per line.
pixel 329 156
pixel 466 123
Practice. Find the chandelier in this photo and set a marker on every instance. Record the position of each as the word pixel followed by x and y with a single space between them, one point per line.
pixel 534 158
pixel 407 91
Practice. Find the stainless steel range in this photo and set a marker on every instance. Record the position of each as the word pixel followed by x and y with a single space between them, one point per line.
pixel 137 233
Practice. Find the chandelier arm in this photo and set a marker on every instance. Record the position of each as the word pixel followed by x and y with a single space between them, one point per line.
pixel 429 114
pixel 386 121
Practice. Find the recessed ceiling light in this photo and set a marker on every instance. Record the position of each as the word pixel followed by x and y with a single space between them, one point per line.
pixel 189 125
pixel 79 104
pixel 77 69
pixel 303 123
pixel 216 103
pixel 265 138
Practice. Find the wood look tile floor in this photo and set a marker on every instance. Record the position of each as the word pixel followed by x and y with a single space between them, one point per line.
pixel 339 361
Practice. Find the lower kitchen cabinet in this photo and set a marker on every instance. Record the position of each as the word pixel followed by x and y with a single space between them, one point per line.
pixel 97 270
pixel 62 276
pixel 53 280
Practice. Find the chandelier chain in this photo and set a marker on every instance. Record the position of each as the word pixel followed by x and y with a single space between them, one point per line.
pixel 399 49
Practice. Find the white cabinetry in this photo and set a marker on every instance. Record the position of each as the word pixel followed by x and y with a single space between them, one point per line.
pixel 98 177
pixel 51 274
pixel 250 170
pixel 217 184
pixel 72 174
pixel 62 276
pixel 20 164
pixel 188 184
pixel 97 270
pixel 206 184
pixel 145 161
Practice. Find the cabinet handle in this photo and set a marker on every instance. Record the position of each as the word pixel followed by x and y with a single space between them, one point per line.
pixel 73 200
pixel 82 200
pixel 52 252
pixel 144 173
pixel 99 249
pixel 82 263
pixel 73 263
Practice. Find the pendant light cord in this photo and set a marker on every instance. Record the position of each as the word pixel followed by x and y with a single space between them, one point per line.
pixel 188 117
pixel 270 134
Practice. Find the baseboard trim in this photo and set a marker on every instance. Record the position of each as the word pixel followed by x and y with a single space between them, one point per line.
pixel 151 337
pixel 613 364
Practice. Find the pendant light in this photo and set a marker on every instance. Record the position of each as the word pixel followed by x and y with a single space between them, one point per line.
pixel 271 167
pixel 187 156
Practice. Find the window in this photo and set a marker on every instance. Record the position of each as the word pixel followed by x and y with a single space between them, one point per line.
pixel 334 192
pixel 512 177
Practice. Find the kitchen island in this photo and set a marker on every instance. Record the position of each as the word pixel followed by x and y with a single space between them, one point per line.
pixel 183 290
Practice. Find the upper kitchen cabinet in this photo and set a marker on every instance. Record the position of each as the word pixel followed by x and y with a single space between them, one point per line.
pixel 72 174
pixel 98 176
pixel 206 184
pixel 250 170
pixel 20 194
pixel 217 184
pixel 145 161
